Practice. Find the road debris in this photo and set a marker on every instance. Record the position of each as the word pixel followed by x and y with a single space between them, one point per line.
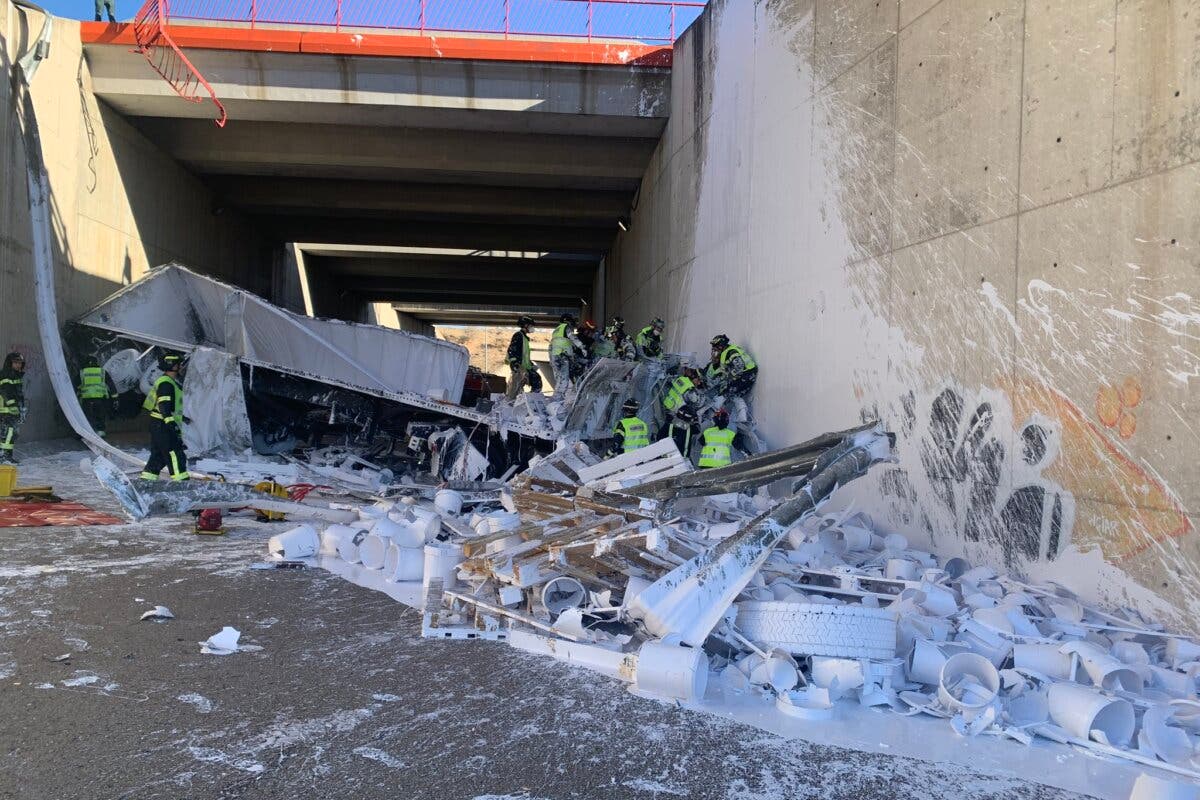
pixel 158 613
pixel 222 643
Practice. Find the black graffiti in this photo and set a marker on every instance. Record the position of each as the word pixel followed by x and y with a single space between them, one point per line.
pixel 965 454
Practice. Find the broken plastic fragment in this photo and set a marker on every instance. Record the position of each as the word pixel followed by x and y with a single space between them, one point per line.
pixel 158 612
pixel 222 643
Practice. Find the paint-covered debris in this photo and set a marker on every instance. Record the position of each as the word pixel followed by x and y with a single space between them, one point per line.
pixel 157 613
pixel 766 596
pixel 222 643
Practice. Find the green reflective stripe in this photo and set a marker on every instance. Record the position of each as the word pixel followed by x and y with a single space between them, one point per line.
pixel 636 432
pixel 559 343
pixel 687 439
pixel 718 447
pixel 175 398
pixel 148 476
pixel 526 359
pixel 177 474
pixel 734 350
pixel 679 388
pixel 92 385
pixel 8 439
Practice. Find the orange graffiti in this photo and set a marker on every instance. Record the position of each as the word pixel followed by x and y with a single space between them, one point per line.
pixel 1139 510
pixel 1114 406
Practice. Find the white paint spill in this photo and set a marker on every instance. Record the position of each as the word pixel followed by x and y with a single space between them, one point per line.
pixel 81 680
pixel 383 757
pixel 201 703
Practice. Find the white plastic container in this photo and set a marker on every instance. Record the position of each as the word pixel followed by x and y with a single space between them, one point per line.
pixel 1047 659
pixel 373 551
pixel 427 522
pixel 404 564
pixel 441 561
pixel 448 501
pixel 299 542
pixel 672 671
pixel 978 694
pixel 1080 711
pixel 333 537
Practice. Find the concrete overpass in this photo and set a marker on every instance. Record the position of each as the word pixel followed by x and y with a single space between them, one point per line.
pixel 363 144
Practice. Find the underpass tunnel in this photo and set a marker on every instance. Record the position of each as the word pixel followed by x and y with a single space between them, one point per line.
pixel 414 192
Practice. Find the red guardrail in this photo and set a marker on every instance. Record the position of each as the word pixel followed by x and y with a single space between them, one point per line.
pixel 640 20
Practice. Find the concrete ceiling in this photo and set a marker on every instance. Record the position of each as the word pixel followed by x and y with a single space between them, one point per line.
pixel 471 156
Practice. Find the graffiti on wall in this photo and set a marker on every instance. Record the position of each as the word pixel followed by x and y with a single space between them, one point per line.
pixel 984 472
pixel 1011 466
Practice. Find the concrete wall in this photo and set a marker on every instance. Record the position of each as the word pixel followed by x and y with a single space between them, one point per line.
pixel 119 205
pixel 978 220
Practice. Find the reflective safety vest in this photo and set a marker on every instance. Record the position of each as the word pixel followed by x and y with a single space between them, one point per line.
pixel 92 385
pixel 9 405
pixel 734 350
pixel 560 345
pixel 649 344
pixel 526 359
pixel 636 432
pixel 176 415
pixel 679 389
pixel 718 448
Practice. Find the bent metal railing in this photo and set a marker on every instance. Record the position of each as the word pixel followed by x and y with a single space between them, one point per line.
pixel 165 57
pixel 650 21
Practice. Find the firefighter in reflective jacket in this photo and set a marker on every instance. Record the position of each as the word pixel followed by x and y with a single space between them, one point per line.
pixel 683 429
pixel 12 404
pixel 718 442
pixel 94 396
pixel 732 371
pixel 166 423
pixel 564 348
pixel 631 433
pixel 684 391
pixel 649 340
pixel 520 362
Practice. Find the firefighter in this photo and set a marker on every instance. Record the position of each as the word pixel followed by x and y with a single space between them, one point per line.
pixel 683 429
pixel 564 348
pixel 631 433
pixel 586 352
pixel 12 404
pixel 718 442
pixel 604 347
pixel 731 369
pixel 623 346
pixel 520 362
pixel 94 396
pixel 684 391
pixel 166 423
pixel 649 340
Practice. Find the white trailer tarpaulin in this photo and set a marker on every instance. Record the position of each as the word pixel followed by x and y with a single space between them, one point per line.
pixel 175 307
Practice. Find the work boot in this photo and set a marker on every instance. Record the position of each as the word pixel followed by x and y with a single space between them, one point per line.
pixel 112 19
pixel 98 18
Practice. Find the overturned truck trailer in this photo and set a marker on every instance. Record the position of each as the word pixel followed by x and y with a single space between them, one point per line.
pixel 174 307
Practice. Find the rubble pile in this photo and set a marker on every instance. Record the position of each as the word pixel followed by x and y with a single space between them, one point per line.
pixel 636 567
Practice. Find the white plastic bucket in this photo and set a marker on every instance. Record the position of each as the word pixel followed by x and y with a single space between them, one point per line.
pixel 1047 659
pixel 348 548
pixel 373 551
pixel 1104 670
pixel 427 522
pixel 333 537
pixel 448 502
pixel 441 561
pixel 503 521
pixel 969 683
pixel 404 534
pixel 1079 711
pixel 404 564
pixel 927 659
pixel 901 569
pixel 299 542
pixel 672 671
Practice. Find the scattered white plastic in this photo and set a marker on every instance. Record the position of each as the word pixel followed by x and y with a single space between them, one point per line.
pixel 222 643
pixel 158 612
pixel 299 542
